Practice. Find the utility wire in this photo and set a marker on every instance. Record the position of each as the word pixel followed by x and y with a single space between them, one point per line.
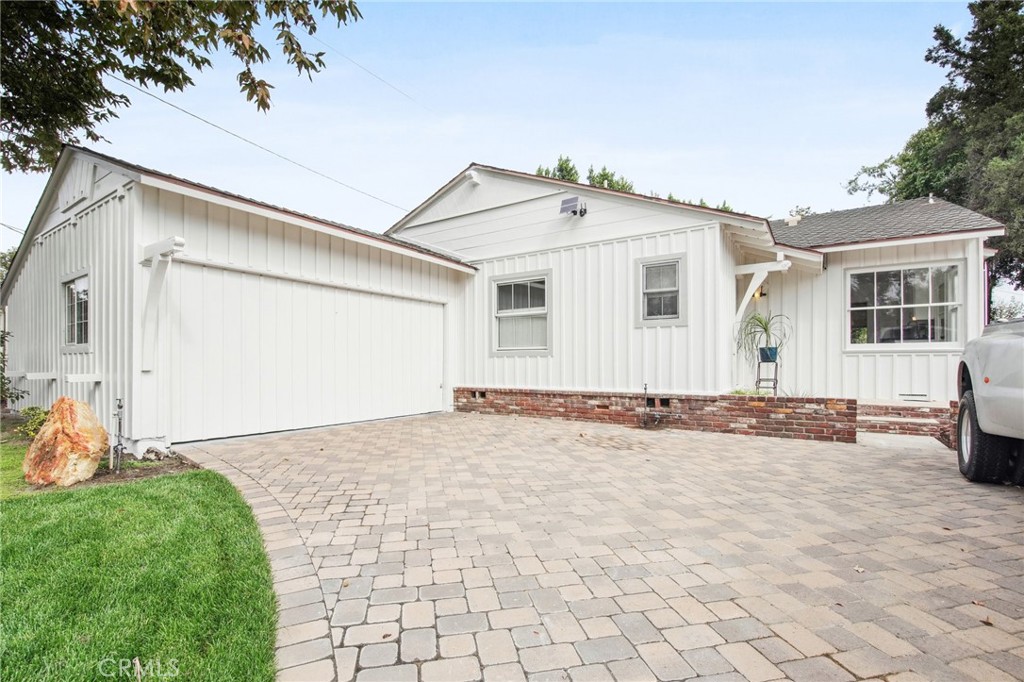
pixel 12 227
pixel 394 87
pixel 258 145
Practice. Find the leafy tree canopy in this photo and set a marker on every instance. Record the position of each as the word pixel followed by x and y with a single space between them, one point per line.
pixel 565 169
pixel 972 150
pixel 55 57
pixel 6 258
pixel 608 180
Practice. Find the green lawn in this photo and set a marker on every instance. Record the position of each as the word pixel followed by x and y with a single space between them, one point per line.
pixel 169 570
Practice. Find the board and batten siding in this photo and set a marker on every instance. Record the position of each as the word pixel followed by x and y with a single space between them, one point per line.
pixel 819 361
pixel 266 326
pixel 505 216
pixel 592 299
pixel 85 230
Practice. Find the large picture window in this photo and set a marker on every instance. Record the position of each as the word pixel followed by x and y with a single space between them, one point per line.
pixel 905 305
pixel 76 303
pixel 521 312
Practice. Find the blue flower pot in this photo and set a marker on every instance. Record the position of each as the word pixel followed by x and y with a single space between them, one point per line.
pixel 769 353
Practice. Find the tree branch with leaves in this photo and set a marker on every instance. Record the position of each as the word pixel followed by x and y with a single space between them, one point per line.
pixel 56 56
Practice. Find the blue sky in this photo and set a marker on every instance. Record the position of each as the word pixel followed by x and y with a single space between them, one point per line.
pixel 765 105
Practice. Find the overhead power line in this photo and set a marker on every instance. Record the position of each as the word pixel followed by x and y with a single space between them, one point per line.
pixel 258 145
pixel 394 87
pixel 13 228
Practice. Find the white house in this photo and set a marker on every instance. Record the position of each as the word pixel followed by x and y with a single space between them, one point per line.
pixel 214 315
pixel 881 299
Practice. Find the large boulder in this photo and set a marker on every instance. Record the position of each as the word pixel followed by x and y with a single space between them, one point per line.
pixel 68 448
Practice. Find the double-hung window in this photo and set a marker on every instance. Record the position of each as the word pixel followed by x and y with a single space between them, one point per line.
pixel 521 314
pixel 914 304
pixel 76 306
pixel 661 290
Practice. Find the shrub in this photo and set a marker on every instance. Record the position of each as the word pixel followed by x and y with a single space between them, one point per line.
pixel 35 417
pixel 8 392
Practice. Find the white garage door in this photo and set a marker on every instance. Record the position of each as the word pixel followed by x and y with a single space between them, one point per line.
pixel 271 354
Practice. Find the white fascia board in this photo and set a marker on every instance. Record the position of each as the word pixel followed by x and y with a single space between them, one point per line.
pixel 266 212
pixel 811 258
pixel 755 268
pixel 911 241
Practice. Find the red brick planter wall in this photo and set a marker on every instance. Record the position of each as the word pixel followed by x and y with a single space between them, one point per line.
pixel 822 419
pixel 908 419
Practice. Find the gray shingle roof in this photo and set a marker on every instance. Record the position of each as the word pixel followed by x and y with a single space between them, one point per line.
pixel 913 218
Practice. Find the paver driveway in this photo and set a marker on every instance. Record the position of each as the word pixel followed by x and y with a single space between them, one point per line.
pixel 459 547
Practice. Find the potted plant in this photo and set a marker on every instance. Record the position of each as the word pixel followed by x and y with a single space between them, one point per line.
pixel 761 336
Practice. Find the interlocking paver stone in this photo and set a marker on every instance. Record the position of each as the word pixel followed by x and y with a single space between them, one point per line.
pixel 664 661
pixel 496 646
pixel 345 661
pixel 370 634
pixel 375 655
pixel 306 652
pixel 819 669
pixel 466 669
pixel 636 628
pixel 530 635
pixel 506 672
pixel 591 673
pixel 350 612
pixel 394 673
pixel 550 657
pixel 556 533
pixel 464 623
pixel 418 645
pixel 605 649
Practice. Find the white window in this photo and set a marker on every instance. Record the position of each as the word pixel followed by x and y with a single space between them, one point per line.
pixel 915 304
pixel 521 314
pixel 76 303
pixel 661 291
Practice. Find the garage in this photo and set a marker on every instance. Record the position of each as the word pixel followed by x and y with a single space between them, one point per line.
pixel 181 313
pixel 257 353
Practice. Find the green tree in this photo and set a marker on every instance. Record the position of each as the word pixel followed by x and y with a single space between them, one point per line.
pixel 56 57
pixel 6 258
pixel 972 150
pixel 565 169
pixel 608 180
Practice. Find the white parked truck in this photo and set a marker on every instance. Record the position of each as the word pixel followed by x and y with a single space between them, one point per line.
pixel 990 426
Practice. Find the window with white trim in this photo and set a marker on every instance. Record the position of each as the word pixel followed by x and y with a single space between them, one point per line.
pixel 521 314
pixel 76 305
pixel 905 305
pixel 661 290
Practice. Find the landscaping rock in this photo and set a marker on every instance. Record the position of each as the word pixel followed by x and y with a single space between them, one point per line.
pixel 68 447
pixel 152 455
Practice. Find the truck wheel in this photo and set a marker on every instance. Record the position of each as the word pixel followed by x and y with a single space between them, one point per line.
pixel 983 457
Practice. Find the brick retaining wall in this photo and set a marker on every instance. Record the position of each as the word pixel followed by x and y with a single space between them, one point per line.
pixel 821 419
pixel 912 420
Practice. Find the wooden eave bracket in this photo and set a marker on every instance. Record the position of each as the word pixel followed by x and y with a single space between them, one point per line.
pixel 759 273
pixel 156 256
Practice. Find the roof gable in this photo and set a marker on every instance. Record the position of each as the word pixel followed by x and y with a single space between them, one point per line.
pixel 901 220
pixel 446 198
pixel 71 182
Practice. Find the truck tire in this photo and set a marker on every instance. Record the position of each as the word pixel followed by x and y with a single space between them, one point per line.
pixel 983 458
